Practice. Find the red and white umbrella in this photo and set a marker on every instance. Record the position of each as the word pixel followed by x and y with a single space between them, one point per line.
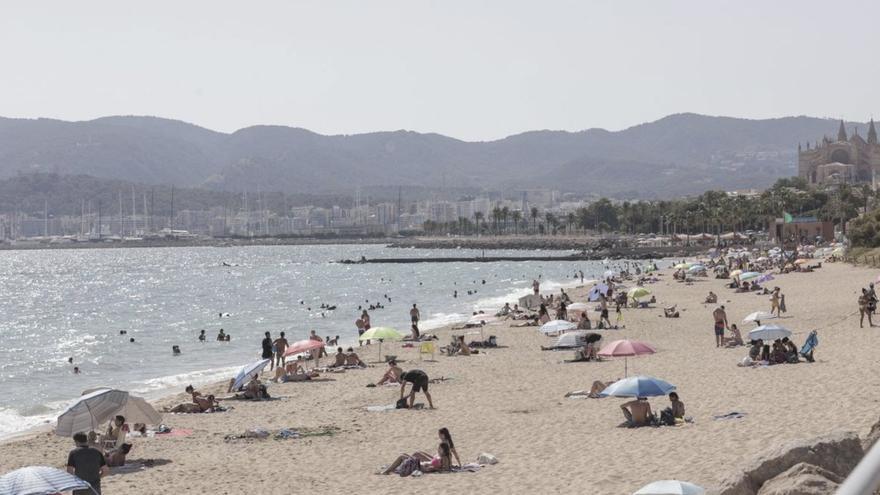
pixel 625 348
pixel 301 346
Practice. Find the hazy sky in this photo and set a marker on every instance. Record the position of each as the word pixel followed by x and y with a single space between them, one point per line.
pixel 469 69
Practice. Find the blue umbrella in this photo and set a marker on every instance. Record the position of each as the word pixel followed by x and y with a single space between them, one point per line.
pixel 246 373
pixel 40 480
pixel 638 386
pixel 596 291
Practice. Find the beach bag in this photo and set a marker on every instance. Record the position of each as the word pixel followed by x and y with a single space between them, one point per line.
pixel 492 342
pixel 666 417
pixel 402 404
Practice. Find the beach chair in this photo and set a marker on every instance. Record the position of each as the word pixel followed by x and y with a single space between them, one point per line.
pixel 427 348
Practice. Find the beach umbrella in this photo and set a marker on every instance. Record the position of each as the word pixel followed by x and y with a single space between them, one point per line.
pixel 696 269
pixel 769 332
pixel 608 274
pixel 749 275
pixel 577 307
pixel 571 340
pixel 626 348
pixel 40 480
pixel 135 409
pixel 637 292
pixel 557 326
pixel 758 316
pixel 301 346
pixel 762 258
pixel 765 278
pixel 90 411
pixel 670 487
pixel 380 334
pixel 596 291
pixel 247 372
pixel 736 273
pixel 638 386
pixel 801 261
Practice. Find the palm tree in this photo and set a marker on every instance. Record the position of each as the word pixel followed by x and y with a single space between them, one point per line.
pixel 569 221
pixel 505 212
pixel 478 216
pixel 516 216
pixel 534 213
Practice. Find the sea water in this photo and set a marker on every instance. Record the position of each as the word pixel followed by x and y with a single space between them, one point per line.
pixel 58 304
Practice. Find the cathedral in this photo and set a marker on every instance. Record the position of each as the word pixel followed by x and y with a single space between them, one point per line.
pixel 848 159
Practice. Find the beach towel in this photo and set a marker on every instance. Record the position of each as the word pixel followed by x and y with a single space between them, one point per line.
pixel 178 432
pixel 730 415
pixel 809 345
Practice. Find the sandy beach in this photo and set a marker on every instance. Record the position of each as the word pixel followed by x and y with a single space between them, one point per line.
pixel 510 402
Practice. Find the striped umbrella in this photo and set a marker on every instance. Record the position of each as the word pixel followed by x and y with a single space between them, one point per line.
pixel 89 411
pixel 40 480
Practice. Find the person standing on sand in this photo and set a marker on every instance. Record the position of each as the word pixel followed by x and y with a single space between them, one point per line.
pixel 774 301
pixel 863 309
pixel 86 463
pixel 419 380
pixel 415 315
pixel 267 350
pixel 720 317
pixel 280 346
pixel 359 323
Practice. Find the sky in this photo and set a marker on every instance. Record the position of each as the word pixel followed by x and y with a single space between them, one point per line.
pixel 470 69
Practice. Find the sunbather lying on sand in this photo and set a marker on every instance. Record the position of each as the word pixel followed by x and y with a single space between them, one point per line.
pixel 200 403
pixel 594 392
pixel 293 372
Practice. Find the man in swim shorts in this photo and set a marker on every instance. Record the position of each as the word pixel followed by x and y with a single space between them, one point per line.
pixel 419 380
pixel 720 324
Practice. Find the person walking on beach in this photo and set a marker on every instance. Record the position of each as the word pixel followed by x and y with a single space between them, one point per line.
pixel 86 463
pixel 419 381
pixel 280 345
pixel 415 315
pixel 720 317
pixel 359 323
pixel 774 301
pixel 864 300
pixel 365 317
pixel 267 350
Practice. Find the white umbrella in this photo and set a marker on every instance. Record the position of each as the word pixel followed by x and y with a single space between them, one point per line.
pixel 557 326
pixel 90 411
pixel 135 410
pixel 758 316
pixel 670 487
pixel 40 480
pixel 247 372
pixel 769 332
pixel 578 307
pixel 571 339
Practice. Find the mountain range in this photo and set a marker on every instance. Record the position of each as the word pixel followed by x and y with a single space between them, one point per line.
pixel 676 155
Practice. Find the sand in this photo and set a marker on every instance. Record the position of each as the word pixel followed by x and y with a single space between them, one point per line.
pixel 510 402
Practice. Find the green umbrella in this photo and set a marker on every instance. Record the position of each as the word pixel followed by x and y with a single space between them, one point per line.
pixel 637 292
pixel 380 334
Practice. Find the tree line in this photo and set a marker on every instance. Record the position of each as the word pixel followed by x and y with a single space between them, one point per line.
pixel 712 212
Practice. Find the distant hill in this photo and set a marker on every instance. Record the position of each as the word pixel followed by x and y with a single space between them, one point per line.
pixel 679 154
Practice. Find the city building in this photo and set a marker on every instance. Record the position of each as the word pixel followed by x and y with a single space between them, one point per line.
pixel 846 160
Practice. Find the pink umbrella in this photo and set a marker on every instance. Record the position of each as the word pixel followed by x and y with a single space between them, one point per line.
pixel 303 346
pixel 625 348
